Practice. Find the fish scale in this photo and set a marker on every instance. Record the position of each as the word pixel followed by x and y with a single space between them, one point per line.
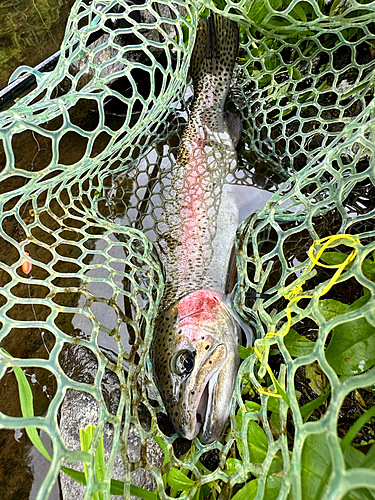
pixel 194 348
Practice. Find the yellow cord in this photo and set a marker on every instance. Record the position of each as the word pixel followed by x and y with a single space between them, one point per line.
pixel 296 294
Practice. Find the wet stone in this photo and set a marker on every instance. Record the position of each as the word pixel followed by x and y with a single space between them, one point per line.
pixel 78 410
pixel 155 456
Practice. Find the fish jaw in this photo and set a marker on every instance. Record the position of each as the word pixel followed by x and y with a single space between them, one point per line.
pixel 201 329
pixel 220 392
pixel 209 394
pixel 210 387
pixel 198 391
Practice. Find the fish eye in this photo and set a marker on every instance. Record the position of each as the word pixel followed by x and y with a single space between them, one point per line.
pixel 185 363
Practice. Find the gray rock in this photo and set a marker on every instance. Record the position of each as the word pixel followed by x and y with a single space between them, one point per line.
pixel 108 51
pixel 79 409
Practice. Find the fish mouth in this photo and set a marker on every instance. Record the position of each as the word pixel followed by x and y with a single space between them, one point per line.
pixel 202 406
pixel 205 402
pixel 204 411
pixel 209 395
pixel 200 393
pixel 214 401
pixel 210 431
pixel 205 398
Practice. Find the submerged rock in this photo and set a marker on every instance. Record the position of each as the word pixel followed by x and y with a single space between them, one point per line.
pixel 79 409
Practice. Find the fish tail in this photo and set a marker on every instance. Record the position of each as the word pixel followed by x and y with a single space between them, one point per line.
pixel 215 52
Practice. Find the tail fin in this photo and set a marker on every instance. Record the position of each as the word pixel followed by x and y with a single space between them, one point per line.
pixel 215 50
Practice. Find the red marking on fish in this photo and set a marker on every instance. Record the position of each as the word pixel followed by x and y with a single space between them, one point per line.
pixel 195 310
pixel 201 301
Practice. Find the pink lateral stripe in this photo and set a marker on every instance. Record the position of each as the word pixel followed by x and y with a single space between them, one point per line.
pixel 193 242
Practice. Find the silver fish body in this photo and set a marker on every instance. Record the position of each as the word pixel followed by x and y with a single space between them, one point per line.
pixel 194 349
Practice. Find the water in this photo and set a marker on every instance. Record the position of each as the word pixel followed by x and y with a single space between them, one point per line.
pixel 22 467
pixel 16 453
pixel 30 32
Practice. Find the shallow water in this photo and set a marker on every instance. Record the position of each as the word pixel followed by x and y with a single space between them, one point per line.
pixel 30 32
pixel 29 465
pixel 22 467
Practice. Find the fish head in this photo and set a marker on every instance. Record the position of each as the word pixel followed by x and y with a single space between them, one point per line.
pixel 195 363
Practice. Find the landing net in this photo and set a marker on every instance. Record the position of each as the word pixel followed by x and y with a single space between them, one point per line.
pixel 77 223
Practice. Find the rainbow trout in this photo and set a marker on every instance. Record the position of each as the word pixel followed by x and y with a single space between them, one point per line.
pixel 194 349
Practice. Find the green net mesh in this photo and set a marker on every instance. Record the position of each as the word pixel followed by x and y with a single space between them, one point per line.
pixel 81 156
